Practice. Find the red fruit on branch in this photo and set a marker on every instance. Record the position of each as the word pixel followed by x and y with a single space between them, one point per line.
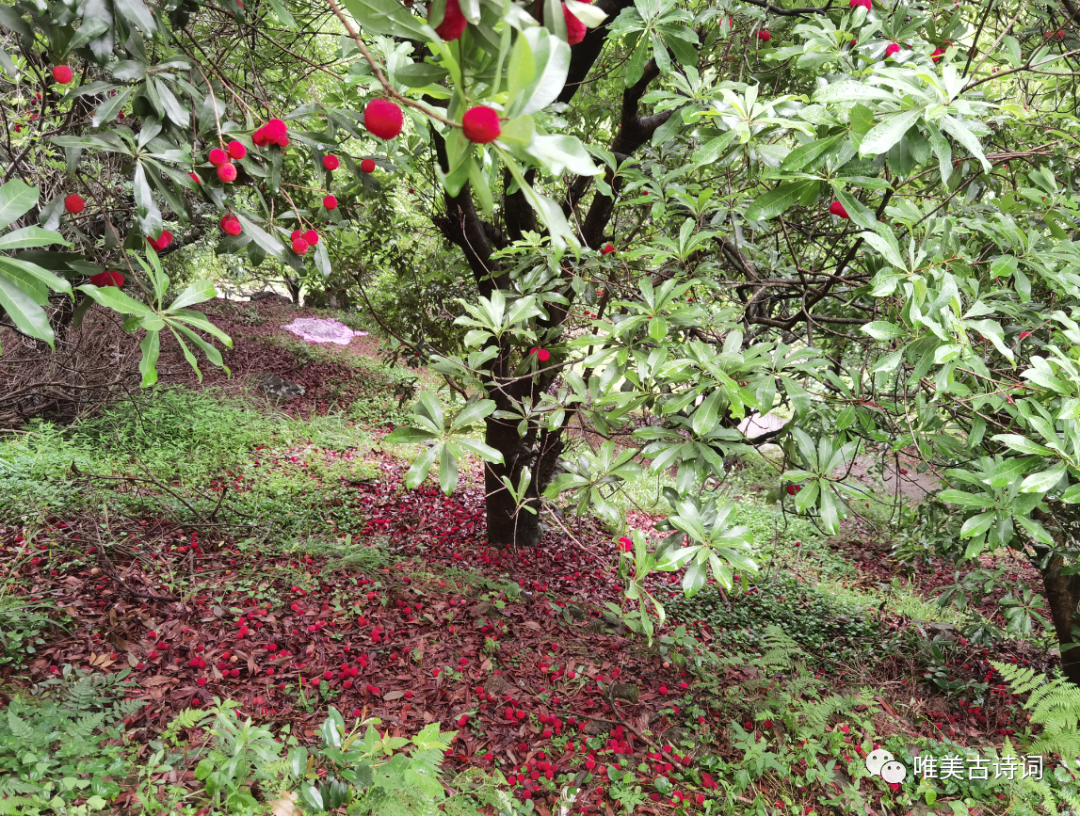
pixel 218 157
pixel 543 355
pixel 107 278
pixel 936 56
pixel 230 225
pixel 453 23
pixel 331 163
pixel 383 119
pixel 837 209
pixel 866 4
pixel 195 178
pixel 227 173
pixel 311 237
pixel 607 250
pixel 237 150
pixel 62 74
pixel 330 202
pixel 764 36
pixel 74 204
pixel 368 165
pixel 300 246
pixel 481 124
pixel 575 29
pixel 162 241
pixel 892 48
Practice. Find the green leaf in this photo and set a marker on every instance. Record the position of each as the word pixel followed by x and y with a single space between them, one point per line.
pixel 268 242
pixel 283 14
pixel 28 237
pixel 776 201
pixel 1022 444
pixel 20 307
pixel 108 109
pixel 403 435
pixel 448 470
pixel 150 348
pixel 136 13
pixel 888 132
pixel 883 330
pixel 16 199
pixel 807 154
pixel 1043 481
pixel 390 18
pixel 980 501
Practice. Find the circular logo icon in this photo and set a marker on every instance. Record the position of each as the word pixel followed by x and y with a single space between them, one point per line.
pixel 893 772
pixel 875 759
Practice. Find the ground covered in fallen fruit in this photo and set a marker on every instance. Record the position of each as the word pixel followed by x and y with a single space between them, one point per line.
pixel 225 552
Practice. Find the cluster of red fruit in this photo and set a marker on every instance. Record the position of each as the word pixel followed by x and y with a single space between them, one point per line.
pixel 274 132
pixel 543 355
pixel 1056 35
pixel 764 36
pixel 302 241
pixel 223 160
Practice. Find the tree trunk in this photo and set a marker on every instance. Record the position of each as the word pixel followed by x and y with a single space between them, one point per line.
pixel 1062 590
pixel 507 524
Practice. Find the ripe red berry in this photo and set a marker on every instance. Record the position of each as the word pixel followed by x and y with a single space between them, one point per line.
pixel 575 29
pixel 62 74
pixel 295 234
pixel 107 278
pixel 331 162
pixel 259 137
pixel 764 36
pixel 864 3
pixel 936 56
pixel 230 225
pixel 836 208
pixel 162 241
pixel 453 22
pixel 74 204
pixel 892 48
pixel 218 157
pixel 275 131
pixel 543 355
pixel 383 119
pixel 481 124
pixel 201 681
pixel 300 246
pixel 330 202
pixel 195 178
pixel 227 173
pixel 237 150
pixel 368 165
pixel 607 250
pixel 311 237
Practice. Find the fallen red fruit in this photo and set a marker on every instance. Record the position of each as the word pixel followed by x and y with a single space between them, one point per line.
pixel 74 204
pixel 453 23
pixel 383 119
pixel 62 74
pixel 481 124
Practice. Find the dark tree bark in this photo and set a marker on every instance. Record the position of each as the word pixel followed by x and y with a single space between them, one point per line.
pixel 461 224
pixel 1062 590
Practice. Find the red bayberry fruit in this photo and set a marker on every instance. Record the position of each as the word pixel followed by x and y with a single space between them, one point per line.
pixel 607 250
pixel 218 157
pixel 227 173
pixel 62 74
pixel 764 36
pixel 453 22
pixel 936 56
pixel 237 150
pixel 837 209
pixel 295 234
pixel 275 131
pixel 195 178
pixel 311 237
pixel 260 138
pixel 331 162
pixel 383 119
pixel 201 681
pixel 107 278
pixel 300 246
pixel 575 29
pixel 864 3
pixel 543 355
pixel 74 204
pixel 164 240
pixel 368 165
pixel 892 48
pixel 481 124
pixel 330 202
pixel 230 225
